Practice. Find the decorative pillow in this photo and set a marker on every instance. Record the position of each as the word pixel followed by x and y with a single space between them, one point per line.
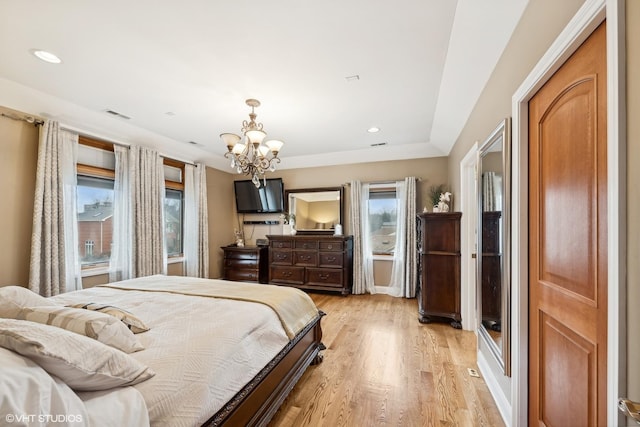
pixel 82 363
pixel 136 325
pixel 99 326
pixel 13 298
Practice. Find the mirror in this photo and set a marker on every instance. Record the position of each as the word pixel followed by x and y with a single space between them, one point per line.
pixel 493 280
pixel 317 210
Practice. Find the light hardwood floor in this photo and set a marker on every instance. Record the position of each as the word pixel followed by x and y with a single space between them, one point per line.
pixel 382 367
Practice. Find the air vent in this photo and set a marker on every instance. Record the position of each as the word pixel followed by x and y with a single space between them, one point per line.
pixel 115 113
pixel 378 144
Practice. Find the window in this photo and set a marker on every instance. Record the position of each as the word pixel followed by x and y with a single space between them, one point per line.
pixel 173 206
pixel 173 214
pixel 94 199
pixel 383 207
pixel 88 248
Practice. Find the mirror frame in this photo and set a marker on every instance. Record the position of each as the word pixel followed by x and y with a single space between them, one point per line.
pixel 503 357
pixel 340 191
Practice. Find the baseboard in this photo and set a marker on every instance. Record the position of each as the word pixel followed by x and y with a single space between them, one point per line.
pixel 503 404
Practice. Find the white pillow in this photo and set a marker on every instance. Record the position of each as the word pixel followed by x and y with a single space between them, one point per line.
pixel 82 363
pixel 13 298
pixel 28 390
pixel 99 326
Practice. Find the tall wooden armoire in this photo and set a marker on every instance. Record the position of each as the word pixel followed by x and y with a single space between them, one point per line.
pixel 439 267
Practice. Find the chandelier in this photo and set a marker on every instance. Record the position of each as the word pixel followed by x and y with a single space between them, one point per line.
pixel 252 156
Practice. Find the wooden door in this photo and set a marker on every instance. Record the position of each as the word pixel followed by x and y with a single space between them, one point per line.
pixel 568 242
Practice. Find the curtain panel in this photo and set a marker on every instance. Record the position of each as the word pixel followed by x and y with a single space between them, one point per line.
pixel 196 229
pixel 54 265
pixel 121 260
pixel 405 261
pixel 149 250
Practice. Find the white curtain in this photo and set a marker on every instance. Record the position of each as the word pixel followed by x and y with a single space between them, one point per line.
pixel 196 233
pixel 362 254
pixel 403 273
pixel 121 261
pixel 491 191
pixel 54 266
pixel 149 250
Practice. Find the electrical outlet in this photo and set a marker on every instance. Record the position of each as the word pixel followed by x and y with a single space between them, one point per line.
pixel 473 372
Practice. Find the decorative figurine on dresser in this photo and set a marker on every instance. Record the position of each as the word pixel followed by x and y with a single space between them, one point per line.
pixel 312 262
pixel 438 237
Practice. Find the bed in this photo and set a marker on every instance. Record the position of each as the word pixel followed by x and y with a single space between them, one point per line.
pixel 212 355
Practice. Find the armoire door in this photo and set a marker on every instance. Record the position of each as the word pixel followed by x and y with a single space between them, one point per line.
pixel 568 242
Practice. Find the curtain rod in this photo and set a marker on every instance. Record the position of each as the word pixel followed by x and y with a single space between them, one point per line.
pixel 28 119
pixel 384 182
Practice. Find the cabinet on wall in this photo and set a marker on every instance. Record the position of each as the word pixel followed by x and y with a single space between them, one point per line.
pixel 439 267
pixel 312 262
pixel 246 264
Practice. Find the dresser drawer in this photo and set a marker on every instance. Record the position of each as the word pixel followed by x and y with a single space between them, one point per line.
pixel 306 244
pixel 245 255
pixel 241 275
pixel 241 263
pixel 280 244
pixel 305 258
pixel 282 274
pixel 281 257
pixel 331 259
pixel 324 277
pixel 332 246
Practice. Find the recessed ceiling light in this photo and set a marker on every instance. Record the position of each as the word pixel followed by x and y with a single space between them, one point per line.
pixel 373 129
pixel 46 56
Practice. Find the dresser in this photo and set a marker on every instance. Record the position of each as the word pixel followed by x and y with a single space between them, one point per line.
pixel 246 264
pixel 438 236
pixel 312 262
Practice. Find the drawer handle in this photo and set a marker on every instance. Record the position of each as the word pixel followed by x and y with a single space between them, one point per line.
pixel 331 258
pixel 305 246
pixel 329 246
pixel 286 274
pixel 323 276
pixel 281 257
pixel 305 257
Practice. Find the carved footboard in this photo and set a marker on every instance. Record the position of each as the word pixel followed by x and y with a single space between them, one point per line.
pixel 259 400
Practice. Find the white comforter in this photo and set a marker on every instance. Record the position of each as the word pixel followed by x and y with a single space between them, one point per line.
pixel 203 350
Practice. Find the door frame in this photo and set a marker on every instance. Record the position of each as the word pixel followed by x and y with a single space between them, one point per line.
pixel 587 19
pixel 468 206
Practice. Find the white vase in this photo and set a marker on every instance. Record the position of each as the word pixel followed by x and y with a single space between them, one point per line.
pixel 286 229
pixel 293 231
pixel 436 209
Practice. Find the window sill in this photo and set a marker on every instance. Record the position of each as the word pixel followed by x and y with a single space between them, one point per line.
pixel 98 271
pixel 94 271
pixel 382 257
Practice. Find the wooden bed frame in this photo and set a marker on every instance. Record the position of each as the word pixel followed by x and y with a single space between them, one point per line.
pixel 259 400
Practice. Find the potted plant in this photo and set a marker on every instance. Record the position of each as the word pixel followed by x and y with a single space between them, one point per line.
pixel 434 195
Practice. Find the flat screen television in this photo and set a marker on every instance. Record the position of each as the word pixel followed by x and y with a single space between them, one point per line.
pixel 268 198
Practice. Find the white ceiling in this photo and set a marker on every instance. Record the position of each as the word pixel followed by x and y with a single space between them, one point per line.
pixel 182 71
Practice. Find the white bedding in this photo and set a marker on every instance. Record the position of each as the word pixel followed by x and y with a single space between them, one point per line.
pixel 194 379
